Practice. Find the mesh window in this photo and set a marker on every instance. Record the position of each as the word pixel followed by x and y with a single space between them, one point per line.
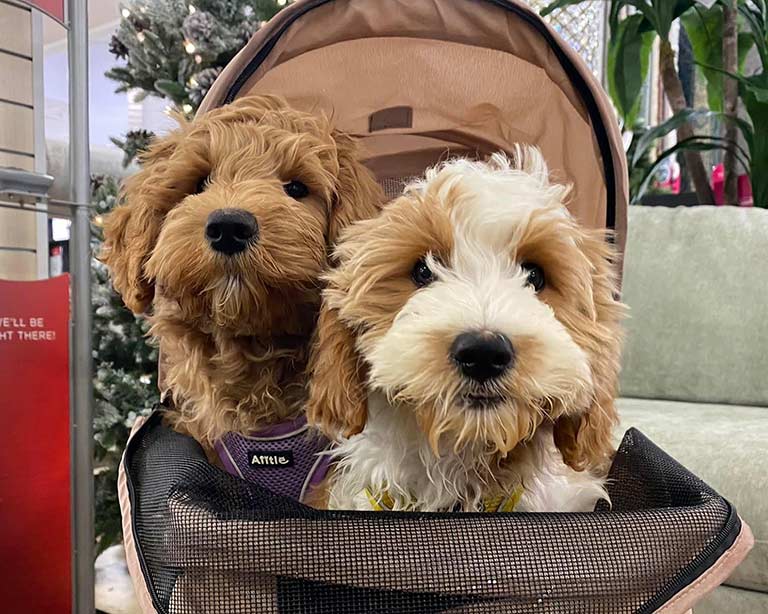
pixel 393 186
pixel 209 542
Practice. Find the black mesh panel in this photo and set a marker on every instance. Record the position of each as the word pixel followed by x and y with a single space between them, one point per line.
pixel 393 186
pixel 211 543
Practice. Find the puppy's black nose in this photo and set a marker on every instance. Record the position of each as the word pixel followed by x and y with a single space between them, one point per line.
pixel 229 231
pixel 482 356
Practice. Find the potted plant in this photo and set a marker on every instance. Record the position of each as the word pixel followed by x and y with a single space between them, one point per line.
pixel 722 32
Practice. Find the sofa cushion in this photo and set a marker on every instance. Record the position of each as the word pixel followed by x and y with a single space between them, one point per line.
pixel 695 280
pixel 727 447
pixel 726 599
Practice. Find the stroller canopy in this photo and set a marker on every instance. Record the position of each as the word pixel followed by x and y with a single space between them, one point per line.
pixel 415 81
pixel 418 80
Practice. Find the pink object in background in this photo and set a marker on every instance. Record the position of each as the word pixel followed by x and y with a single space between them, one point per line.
pixel 54 8
pixel 668 178
pixel 56 261
pixel 718 187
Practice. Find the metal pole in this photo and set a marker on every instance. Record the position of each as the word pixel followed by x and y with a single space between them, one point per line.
pixel 80 265
pixel 41 165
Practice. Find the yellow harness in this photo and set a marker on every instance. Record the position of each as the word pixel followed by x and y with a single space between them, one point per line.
pixel 383 502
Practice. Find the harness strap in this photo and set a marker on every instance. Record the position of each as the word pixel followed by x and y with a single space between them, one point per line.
pixel 287 458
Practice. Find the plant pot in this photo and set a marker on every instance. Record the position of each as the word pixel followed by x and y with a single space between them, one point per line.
pixel 686 199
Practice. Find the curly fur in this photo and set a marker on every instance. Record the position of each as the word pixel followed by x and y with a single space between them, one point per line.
pixel 381 337
pixel 233 330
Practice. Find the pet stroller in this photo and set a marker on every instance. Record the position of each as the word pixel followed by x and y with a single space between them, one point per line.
pixel 416 81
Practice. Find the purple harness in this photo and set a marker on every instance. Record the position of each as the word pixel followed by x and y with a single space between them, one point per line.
pixel 286 458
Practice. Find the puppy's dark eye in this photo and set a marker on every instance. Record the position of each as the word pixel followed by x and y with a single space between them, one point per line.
pixel 202 184
pixel 296 189
pixel 421 274
pixel 535 278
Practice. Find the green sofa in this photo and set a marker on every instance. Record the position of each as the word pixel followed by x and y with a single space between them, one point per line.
pixel 695 374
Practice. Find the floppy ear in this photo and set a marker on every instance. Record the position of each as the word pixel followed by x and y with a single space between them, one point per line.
pixel 131 229
pixel 338 402
pixel 585 440
pixel 358 195
pixel 337 396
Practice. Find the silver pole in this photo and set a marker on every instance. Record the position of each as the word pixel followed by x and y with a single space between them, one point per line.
pixel 80 267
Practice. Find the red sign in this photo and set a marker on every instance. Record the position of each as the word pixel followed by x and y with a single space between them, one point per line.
pixel 54 8
pixel 35 542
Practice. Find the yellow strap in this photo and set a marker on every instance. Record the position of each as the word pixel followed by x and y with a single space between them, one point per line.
pixel 503 503
pixel 383 502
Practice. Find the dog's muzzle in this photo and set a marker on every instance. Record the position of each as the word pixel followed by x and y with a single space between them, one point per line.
pixel 230 231
pixel 482 356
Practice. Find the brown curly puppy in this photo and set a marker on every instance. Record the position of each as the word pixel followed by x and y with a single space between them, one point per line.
pixel 224 233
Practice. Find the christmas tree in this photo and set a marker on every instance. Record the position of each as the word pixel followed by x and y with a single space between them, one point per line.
pixel 172 49
pixel 175 49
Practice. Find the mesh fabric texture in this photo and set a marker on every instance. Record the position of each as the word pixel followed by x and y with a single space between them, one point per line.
pixel 210 542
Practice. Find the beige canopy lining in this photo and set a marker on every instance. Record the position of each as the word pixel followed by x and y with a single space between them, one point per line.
pixel 535 112
pixel 418 80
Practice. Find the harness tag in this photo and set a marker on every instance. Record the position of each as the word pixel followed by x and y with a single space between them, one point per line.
pixel 287 458
pixel 270 459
